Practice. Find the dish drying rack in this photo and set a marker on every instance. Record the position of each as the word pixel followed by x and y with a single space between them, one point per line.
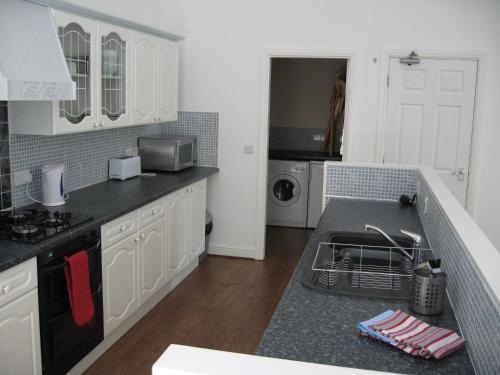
pixel 365 270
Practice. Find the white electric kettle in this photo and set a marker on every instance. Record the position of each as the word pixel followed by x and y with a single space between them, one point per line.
pixel 53 185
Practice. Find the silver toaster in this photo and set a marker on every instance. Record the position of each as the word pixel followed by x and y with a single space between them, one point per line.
pixel 167 153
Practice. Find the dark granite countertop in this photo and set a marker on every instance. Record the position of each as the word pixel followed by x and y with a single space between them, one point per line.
pixel 313 326
pixel 104 202
pixel 303 155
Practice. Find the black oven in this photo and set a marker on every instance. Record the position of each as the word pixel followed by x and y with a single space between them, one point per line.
pixel 64 343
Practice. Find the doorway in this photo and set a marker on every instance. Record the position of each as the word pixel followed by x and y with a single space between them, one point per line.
pixel 430 117
pixel 289 56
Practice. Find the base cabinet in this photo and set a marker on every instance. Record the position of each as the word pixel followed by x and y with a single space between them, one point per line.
pixel 163 238
pixel 20 336
pixel 120 282
pixel 151 259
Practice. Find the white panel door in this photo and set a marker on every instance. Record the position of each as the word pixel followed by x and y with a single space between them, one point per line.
pixel 120 282
pixel 167 88
pixel 143 78
pixel 151 259
pixel 177 231
pixel 197 197
pixel 20 336
pixel 429 117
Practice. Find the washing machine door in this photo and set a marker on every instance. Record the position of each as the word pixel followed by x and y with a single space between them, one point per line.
pixel 284 190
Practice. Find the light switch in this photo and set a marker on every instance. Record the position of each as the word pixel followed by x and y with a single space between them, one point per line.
pixel 248 149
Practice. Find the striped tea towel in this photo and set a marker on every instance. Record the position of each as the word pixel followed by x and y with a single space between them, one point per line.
pixel 365 329
pixel 418 338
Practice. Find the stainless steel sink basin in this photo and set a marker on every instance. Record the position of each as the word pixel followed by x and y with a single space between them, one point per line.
pixel 363 264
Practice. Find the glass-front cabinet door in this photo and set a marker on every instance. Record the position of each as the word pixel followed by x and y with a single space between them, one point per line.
pixel 114 92
pixel 78 41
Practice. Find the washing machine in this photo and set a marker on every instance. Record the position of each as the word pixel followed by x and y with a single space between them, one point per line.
pixel 287 193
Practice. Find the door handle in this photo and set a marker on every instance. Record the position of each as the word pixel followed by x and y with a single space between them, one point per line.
pixel 460 173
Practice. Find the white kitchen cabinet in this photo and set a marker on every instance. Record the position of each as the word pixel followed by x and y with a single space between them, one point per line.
pixel 114 61
pixel 197 204
pixel 123 78
pixel 177 232
pixel 20 336
pixel 154 81
pixel 120 282
pixel 151 259
pixel 167 81
pixel 144 78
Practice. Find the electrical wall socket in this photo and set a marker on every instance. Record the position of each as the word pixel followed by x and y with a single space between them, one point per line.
pixel 318 137
pixel 132 151
pixel 248 149
pixel 22 177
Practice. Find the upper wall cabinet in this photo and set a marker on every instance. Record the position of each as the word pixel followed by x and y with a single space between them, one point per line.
pixel 154 79
pixel 122 78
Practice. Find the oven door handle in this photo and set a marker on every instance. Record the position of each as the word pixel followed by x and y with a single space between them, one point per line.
pixel 62 265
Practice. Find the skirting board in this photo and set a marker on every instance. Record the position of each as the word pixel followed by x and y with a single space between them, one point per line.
pixel 114 336
pixel 241 252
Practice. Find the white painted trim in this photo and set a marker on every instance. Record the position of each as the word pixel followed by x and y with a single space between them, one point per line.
pixel 266 56
pixel 189 360
pixel 119 331
pixel 480 57
pixel 231 251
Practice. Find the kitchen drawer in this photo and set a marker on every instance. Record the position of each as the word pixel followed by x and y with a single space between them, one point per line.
pixel 17 280
pixel 151 212
pixel 119 229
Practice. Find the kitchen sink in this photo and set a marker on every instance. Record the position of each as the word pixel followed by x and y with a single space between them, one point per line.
pixel 363 264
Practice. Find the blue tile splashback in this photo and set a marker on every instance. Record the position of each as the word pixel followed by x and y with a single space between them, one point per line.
pixel 369 182
pixel 5 178
pixel 475 310
pixel 86 155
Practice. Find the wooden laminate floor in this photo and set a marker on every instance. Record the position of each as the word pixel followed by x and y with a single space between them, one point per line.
pixel 224 304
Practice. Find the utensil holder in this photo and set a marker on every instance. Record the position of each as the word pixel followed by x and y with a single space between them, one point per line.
pixel 428 291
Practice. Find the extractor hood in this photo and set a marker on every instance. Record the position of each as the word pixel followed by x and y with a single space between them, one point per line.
pixel 32 64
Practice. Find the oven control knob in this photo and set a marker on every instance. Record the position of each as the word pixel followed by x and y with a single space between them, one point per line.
pixel 155 211
pixel 122 228
pixel 137 239
pixel 143 235
pixel 5 289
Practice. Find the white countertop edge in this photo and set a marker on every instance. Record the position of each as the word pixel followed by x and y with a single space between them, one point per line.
pixel 189 360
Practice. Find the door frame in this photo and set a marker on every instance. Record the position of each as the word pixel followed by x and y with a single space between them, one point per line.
pixel 480 57
pixel 267 54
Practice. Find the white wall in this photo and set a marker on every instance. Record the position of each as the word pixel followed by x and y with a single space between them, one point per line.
pixel 301 91
pixel 221 66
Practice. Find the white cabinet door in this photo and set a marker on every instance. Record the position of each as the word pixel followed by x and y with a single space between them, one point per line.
pixel 114 62
pixel 177 225
pixel 78 37
pixel 197 203
pixel 120 282
pixel 151 259
pixel 144 78
pixel 167 85
pixel 20 336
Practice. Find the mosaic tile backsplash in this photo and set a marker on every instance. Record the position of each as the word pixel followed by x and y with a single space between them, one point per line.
pixel 369 182
pixel 301 139
pixel 86 155
pixel 5 185
pixel 476 312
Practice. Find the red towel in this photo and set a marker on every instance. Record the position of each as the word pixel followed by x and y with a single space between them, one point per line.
pixel 78 281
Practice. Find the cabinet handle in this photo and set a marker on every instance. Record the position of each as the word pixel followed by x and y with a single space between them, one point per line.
pixel 143 235
pixel 123 227
pixel 5 289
